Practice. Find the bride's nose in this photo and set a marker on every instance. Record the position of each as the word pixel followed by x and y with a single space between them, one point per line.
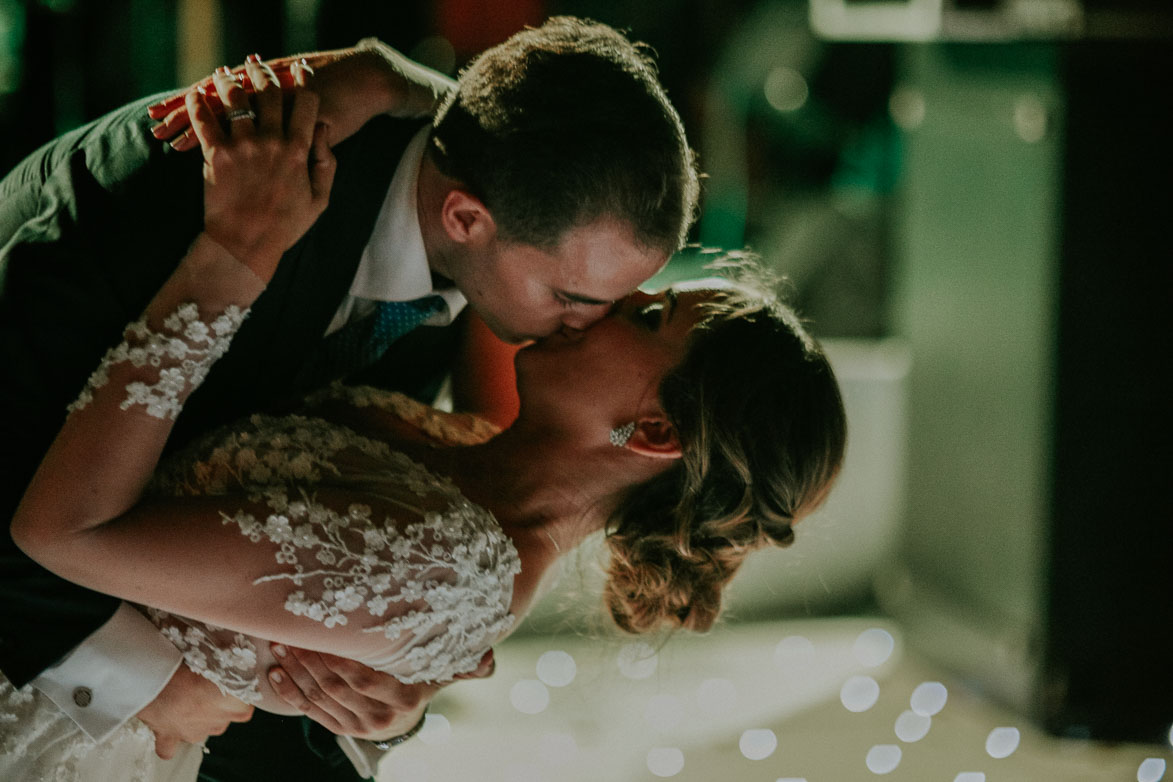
pixel 584 318
pixel 571 333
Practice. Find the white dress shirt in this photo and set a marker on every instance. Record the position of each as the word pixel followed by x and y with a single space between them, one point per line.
pixel 123 665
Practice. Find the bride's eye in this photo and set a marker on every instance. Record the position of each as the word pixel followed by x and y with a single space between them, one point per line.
pixel 651 315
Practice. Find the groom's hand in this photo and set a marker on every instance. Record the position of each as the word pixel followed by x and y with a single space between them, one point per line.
pixel 350 699
pixel 190 709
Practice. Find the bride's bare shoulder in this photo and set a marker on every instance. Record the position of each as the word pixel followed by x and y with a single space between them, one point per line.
pixel 391 415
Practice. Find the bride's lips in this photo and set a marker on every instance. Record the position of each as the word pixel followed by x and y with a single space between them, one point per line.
pixel 562 336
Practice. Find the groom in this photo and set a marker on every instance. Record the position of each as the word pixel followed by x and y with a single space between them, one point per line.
pixel 554 179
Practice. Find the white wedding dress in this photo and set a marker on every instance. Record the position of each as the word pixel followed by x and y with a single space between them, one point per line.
pixel 427 574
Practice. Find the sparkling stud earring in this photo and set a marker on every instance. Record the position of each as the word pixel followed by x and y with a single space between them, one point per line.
pixel 621 434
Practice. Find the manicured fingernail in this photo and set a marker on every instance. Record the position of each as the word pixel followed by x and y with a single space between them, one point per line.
pixel 253 58
pixel 225 70
pixel 306 66
pixel 276 677
pixel 279 650
pixel 157 131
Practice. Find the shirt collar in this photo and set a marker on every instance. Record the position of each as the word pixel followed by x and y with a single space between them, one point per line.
pixel 394 265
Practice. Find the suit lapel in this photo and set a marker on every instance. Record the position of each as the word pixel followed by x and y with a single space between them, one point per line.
pixel 289 319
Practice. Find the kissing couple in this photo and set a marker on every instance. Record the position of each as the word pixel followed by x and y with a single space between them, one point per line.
pixel 236 501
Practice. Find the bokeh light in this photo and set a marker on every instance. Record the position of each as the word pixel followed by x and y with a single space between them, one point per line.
pixel 665 761
pixel 911 726
pixel 529 696
pixel 928 698
pixel 1002 742
pixel 906 106
pixel 556 668
pixel 786 89
pixel 859 693
pixel 883 758
pixel 1151 770
pixel 758 743
pixel 873 647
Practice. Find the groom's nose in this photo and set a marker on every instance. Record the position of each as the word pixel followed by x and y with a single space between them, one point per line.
pixel 584 317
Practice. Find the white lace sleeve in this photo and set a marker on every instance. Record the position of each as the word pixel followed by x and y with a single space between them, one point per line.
pixel 228 659
pixel 436 589
pixel 369 542
pixel 183 352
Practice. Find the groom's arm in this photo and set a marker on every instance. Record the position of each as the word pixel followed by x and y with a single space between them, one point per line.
pixel 112 675
pixel 69 280
pixel 70 277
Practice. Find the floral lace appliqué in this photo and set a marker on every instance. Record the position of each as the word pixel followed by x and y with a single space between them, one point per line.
pixel 183 352
pixel 451 570
pixel 225 658
pixel 430 571
pixel 261 452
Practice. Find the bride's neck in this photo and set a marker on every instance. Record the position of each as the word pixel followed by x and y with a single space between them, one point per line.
pixel 534 483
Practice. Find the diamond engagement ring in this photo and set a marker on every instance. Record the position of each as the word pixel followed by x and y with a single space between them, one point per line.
pixel 236 114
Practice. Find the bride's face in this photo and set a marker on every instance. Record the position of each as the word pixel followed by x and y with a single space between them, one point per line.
pixel 615 367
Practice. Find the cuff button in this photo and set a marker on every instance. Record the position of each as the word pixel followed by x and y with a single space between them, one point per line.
pixel 83 696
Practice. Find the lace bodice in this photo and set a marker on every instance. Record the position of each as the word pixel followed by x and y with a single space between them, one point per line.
pixel 427 571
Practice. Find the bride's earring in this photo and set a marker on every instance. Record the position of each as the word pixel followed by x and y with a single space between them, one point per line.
pixel 621 434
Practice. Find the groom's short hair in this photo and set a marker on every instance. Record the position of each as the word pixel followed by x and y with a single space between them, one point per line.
pixel 565 124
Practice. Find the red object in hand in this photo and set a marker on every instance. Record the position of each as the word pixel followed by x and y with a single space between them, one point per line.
pixel 166 106
pixel 175 124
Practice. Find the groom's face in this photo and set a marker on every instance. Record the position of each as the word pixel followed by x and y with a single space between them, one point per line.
pixel 524 292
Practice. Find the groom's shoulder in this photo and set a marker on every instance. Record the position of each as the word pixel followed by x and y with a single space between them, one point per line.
pixel 109 152
pixel 381 142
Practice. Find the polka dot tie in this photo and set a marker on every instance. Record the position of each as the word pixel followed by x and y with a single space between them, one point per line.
pixel 361 343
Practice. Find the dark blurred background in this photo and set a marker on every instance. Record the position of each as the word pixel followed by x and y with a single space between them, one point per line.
pixel 984 183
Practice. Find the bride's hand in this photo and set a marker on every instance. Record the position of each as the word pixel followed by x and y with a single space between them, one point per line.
pixel 354 85
pixel 266 179
pixel 189 710
pixel 350 699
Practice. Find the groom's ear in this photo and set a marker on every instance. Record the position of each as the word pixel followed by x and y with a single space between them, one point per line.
pixel 466 219
pixel 655 436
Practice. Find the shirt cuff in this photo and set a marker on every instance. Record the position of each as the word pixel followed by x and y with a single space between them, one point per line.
pixel 107 679
pixel 364 755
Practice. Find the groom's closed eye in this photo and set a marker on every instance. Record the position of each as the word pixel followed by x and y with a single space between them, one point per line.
pixel 573 299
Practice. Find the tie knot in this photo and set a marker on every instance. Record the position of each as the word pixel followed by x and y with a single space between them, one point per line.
pixel 393 319
pixel 361 343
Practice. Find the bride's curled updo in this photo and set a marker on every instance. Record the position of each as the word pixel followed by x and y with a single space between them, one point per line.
pixel 762 429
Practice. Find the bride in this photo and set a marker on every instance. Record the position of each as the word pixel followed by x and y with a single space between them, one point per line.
pixel 690 426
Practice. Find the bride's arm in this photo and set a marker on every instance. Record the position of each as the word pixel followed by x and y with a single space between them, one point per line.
pixel 354 84
pixel 260 197
pixel 288 566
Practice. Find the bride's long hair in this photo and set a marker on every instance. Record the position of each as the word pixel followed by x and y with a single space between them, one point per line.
pixel 763 431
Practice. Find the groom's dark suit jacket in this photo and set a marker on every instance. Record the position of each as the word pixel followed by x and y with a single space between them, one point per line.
pixel 90 226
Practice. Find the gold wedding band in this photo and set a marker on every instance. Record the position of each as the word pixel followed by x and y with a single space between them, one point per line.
pixel 236 114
